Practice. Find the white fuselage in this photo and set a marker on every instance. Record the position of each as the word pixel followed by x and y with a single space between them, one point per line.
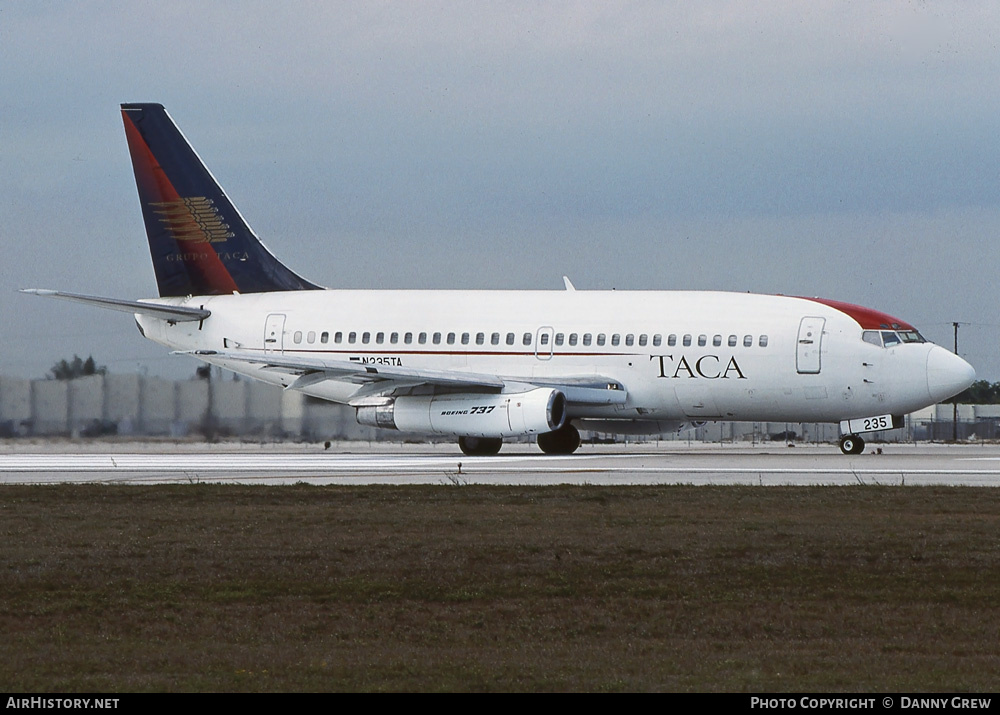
pixel 680 355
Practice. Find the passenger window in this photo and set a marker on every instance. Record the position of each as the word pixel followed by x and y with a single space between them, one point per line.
pixel 657 340
pixel 451 338
pixel 717 340
pixel 601 339
pixel 687 341
pixel 642 339
pixel 338 337
pixel 408 338
pixel 495 339
pixel 587 338
pixel 510 338
pixel 324 337
pixel 365 337
pixel 672 340
pixel 436 338
pixel 543 339
pixel 630 339
pixel 702 341
pixel 526 339
pixel 465 338
pixel 480 338
pixel 394 338
pixel 311 337
pixel 352 337
pixel 748 341
pixel 297 337
pixel 616 339
pixel 732 341
pixel 572 338
pixel 763 341
pixel 422 338
pixel 559 338
pixel 379 338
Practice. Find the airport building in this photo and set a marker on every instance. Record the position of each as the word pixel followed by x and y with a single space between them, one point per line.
pixel 142 406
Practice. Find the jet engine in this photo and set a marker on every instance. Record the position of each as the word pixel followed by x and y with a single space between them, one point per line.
pixel 471 415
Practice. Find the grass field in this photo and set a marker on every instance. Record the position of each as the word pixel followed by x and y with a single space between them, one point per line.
pixel 228 588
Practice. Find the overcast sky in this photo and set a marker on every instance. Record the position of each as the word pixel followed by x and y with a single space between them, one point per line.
pixel 837 149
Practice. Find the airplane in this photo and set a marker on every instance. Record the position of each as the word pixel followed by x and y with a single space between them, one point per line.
pixel 487 365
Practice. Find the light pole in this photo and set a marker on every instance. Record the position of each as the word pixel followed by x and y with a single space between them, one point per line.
pixel 954 405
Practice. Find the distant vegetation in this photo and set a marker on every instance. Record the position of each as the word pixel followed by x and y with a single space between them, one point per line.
pixel 980 392
pixel 77 367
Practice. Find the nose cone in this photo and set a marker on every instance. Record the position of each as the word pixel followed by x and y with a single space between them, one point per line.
pixel 947 374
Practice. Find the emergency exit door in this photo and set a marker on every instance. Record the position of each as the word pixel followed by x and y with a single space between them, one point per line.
pixel 274 333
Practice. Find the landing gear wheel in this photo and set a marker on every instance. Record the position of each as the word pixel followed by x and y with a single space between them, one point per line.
pixel 564 440
pixel 480 446
pixel 852 444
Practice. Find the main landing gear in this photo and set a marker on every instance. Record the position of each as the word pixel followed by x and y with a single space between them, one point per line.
pixel 480 446
pixel 852 444
pixel 564 440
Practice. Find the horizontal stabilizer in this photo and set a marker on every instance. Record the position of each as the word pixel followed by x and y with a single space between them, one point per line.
pixel 175 313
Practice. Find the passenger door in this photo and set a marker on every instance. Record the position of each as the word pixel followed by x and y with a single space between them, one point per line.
pixel 809 345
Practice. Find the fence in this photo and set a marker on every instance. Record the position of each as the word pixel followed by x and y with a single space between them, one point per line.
pixel 152 406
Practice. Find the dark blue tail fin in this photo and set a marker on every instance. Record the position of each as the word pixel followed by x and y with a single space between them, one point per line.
pixel 199 242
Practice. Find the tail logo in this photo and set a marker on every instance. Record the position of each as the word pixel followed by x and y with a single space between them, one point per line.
pixel 192 220
pixel 199 242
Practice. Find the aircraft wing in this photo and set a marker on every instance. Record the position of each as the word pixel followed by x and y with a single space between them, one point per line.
pixel 313 370
pixel 383 380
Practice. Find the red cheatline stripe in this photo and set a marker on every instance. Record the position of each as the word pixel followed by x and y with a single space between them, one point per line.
pixel 204 261
pixel 388 350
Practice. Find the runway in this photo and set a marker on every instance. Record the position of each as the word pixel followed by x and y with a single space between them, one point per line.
pixel 364 464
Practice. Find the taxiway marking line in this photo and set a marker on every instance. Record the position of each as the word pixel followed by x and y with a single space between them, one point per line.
pixel 337 464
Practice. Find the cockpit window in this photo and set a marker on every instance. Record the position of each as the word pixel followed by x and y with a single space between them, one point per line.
pixel 873 337
pixel 889 338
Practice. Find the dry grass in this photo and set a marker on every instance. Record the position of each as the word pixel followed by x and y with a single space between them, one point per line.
pixel 227 588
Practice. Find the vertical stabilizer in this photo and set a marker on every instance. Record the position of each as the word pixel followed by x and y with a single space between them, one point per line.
pixel 199 242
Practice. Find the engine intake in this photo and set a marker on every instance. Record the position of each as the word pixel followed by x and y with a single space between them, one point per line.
pixel 467 415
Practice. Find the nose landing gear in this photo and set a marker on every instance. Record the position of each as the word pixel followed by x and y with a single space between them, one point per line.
pixel 852 444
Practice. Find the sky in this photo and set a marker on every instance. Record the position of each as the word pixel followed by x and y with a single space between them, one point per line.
pixel 849 150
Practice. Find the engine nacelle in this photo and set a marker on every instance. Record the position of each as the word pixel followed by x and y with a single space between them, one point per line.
pixel 533 412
